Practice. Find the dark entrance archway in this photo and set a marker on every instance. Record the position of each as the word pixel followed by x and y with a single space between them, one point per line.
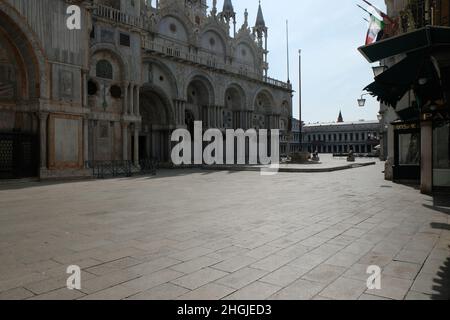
pixel 157 125
pixel 19 93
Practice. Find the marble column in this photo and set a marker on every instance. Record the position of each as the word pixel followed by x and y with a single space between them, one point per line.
pixel 125 97
pixel 136 145
pixel 137 111
pixel 84 88
pixel 43 117
pixel 86 140
pixel 131 99
pixel 125 141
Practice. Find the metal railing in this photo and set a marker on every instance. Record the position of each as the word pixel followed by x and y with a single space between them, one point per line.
pixel 121 168
pixel 117 16
pixel 209 59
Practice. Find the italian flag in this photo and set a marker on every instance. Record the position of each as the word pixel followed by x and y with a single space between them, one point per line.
pixel 375 27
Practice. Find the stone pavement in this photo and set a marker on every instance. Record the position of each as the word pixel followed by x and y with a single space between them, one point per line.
pixel 192 234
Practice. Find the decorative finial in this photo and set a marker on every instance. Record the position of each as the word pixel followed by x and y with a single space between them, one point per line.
pixel 214 9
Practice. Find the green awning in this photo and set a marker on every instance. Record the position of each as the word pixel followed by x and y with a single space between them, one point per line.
pixel 418 40
pixel 390 86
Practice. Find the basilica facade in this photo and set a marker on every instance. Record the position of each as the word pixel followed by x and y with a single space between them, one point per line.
pixel 115 89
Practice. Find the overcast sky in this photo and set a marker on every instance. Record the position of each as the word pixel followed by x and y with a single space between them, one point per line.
pixel 329 33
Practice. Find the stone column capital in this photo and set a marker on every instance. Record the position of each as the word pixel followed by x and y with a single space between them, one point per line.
pixel 43 115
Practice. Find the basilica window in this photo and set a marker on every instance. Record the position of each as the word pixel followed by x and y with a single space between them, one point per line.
pixel 92 88
pixel 104 69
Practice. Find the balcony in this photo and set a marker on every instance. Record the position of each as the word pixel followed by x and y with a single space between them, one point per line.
pixel 179 51
pixel 117 16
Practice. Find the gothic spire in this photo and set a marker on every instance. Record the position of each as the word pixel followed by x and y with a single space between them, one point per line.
pixel 228 6
pixel 260 23
pixel 340 118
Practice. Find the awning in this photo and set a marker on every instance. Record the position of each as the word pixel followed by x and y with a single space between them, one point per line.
pixel 394 83
pixel 418 40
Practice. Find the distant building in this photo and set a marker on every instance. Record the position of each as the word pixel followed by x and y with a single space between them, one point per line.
pixel 341 137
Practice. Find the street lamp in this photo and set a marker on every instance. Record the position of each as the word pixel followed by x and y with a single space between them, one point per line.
pixel 378 70
pixel 362 101
pixel 380 117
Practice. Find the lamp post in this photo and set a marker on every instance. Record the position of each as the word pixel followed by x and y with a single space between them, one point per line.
pixel 378 70
pixel 362 101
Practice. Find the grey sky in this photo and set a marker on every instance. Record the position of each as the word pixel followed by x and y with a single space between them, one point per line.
pixel 329 33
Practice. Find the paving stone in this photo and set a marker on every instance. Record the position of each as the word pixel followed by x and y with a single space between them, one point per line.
pixel 413 256
pixel 343 259
pixel 234 264
pixel 152 280
pixel 166 291
pixel 431 284
pixel 271 263
pixel 211 291
pixel 195 265
pixel 392 288
pixel 299 290
pixel 344 289
pixel 255 291
pixel 135 235
pixel 60 294
pixel 16 294
pixel 402 270
pixel 241 278
pixel 324 273
pixel 284 276
pixel 119 292
pixel 199 278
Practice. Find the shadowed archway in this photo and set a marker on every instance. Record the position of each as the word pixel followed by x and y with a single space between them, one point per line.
pixel 157 123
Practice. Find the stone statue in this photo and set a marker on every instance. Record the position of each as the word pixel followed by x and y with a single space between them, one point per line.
pixel 351 156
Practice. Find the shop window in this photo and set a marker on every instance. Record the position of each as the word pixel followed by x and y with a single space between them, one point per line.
pixel 409 149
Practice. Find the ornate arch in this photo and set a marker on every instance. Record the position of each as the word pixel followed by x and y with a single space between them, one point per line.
pixel 267 104
pixel 203 78
pixel 30 49
pixel 167 102
pixel 172 79
pixel 220 32
pixel 112 49
pixel 240 91
pixel 185 22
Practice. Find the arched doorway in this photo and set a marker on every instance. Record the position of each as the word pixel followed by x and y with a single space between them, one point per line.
pixel 200 96
pixel 234 108
pixel 157 124
pixel 19 91
pixel 263 107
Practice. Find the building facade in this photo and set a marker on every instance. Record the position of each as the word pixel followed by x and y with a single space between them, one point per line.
pixel 290 141
pixel 414 111
pixel 117 88
pixel 340 137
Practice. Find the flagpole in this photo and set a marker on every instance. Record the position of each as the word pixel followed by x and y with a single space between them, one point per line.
pixel 300 91
pixel 287 51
